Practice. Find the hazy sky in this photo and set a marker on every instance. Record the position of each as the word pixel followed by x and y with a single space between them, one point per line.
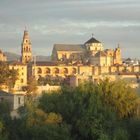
pixel 70 21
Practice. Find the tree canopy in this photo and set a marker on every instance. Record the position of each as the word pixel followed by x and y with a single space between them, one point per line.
pixel 94 111
pixel 8 76
pixel 103 111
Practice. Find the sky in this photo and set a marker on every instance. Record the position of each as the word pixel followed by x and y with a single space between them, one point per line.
pixel 52 22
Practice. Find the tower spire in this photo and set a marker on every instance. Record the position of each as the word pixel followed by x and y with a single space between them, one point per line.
pixel 26 52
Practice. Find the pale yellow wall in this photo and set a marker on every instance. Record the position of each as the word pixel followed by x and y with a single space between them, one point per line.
pixel 83 70
pixel 96 70
pixel 95 47
pixel 105 61
pixel 117 56
pixel 62 70
pixel 104 70
pixel 101 61
pixel 108 61
pixel 113 69
pixel 121 68
pixel 136 68
pixel 68 54
pixel 22 75
pixel 78 79
pixel 47 89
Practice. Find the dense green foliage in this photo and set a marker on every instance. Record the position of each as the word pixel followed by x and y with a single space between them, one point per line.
pixel 104 111
pixel 8 76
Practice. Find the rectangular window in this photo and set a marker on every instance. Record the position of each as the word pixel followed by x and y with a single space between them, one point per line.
pixel 19 100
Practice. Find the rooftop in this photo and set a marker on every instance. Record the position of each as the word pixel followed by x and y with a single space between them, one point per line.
pixel 47 63
pixel 69 47
pixel 92 40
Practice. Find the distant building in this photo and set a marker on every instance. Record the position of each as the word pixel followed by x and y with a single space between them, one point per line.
pixel 91 51
pixel 14 100
pixel 22 74
pixel 80 62
pixel 26 50
pixel 86 60
pixel 2 56
pixel 130 62
pixel 47 89
pixel 130 78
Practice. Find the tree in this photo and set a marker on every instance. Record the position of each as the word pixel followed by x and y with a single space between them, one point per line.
pixel 133 127
pixel 1 127
pixel 37 124
pixel 32 85
pixel 4 109
pixel 8 76
pixel 87 112
pixel 119 95
pixel 3 135
pixel 31 89
pixel 12 77
pixel 94 111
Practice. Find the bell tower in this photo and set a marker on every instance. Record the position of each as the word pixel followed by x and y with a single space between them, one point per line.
pixel 117 55
pixel 26 51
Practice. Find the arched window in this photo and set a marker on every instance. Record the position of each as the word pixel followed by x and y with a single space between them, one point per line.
pixel 39 71
pixel 26 48
pixel 65 71
pixel 56 71
pixel 48 71
pixel 73 70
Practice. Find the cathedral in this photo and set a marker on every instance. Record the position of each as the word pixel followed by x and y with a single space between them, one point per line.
pixel 91 52
pixel 74 62
pixel 89 58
